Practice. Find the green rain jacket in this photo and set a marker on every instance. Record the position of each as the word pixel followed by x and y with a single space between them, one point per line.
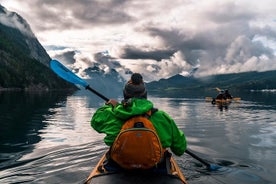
pixel 109 120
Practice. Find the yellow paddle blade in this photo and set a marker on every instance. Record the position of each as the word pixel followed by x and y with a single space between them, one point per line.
pixel 218 89
pixel 208 98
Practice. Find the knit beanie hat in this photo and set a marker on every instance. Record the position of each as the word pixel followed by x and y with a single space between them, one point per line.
pixel 135 87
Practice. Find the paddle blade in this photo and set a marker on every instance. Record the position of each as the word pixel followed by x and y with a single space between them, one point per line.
pixel 218 89
pixel 213 167
pixel 210 167
pixel 66 74
pixel 208 99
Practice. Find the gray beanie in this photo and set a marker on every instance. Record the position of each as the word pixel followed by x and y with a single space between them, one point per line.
pixel 135 87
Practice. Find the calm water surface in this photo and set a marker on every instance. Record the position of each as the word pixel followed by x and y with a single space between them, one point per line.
pixel 47 138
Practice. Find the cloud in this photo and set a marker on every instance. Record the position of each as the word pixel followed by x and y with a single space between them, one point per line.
pixel 12 19
pixel 137 53
pixel 66 55
pixel 154 70
pixel 70 14
pixel 157 38
pixel 224 41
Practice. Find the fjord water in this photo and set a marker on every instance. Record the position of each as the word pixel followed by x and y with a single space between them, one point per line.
pixel 47 138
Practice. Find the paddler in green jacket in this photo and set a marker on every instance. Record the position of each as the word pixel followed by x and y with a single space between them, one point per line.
pixel 110 118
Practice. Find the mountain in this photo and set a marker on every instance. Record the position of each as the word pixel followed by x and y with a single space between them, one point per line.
pixel 24 63
pixel 108 83
pixel 237 81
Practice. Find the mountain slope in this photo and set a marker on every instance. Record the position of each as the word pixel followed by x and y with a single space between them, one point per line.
pixel 237 81
pixel 24 63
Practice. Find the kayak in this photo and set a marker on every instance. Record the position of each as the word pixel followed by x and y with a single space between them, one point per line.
pixel 213 100
pixel 101 176
pixel 222 101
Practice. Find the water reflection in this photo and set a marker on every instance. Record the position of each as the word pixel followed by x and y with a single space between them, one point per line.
pixel 222 107
pixel 22 117
pixel 44 132
pixel 70 119
pixel 47 137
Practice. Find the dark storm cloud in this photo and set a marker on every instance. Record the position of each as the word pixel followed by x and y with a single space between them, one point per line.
pixel 267 31
pixel 137 53
pixel 191 47
pixel 107 59
pixel 66 56
pixel 214 45
pixel 67 14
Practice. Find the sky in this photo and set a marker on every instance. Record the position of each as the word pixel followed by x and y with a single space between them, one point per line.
pixel 158 38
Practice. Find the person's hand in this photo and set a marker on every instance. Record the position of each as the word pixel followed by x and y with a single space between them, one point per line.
pixel 113 102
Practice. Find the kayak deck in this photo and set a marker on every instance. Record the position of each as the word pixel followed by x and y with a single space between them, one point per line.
pixel 131 178
pixel 100 176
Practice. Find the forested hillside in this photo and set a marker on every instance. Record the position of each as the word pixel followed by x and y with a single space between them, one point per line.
pixel 24 63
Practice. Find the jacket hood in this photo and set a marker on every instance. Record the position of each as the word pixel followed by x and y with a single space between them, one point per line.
pixel 135 106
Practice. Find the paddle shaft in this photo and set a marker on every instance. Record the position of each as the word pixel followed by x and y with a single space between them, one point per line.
pixel 97 93
pixel 71 77
pixel 197 158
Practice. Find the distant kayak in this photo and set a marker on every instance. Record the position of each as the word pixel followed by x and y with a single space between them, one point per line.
pixel 101 176
pixel 214 100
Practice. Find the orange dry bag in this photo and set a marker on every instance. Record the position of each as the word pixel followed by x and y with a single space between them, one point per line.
pixel 137 146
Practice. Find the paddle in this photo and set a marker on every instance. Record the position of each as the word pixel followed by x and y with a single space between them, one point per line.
pixel 218 89
pixel 208 98
pixel 210 167
pixel 69 76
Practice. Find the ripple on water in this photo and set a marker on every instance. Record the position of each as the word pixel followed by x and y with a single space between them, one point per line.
pixel 54 164
pixel 229 171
